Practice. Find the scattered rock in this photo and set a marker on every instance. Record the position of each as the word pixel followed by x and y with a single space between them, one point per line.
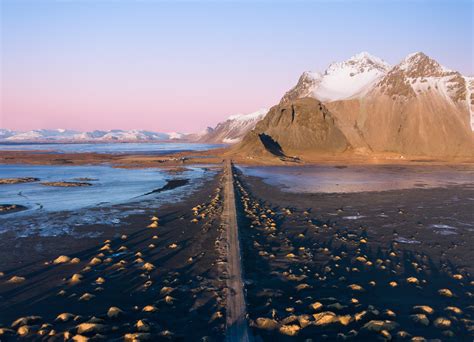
pixel 91 328
pixel 445 293
pixel 150 308
pixel 27 320
pixel 421 319
pixel 115 312
pixel 378 326
pixel 64 317
pixel 266 323
pixel 76 278
pixel 136 337
pixel 86 297
pixel 442 323
pixel 289 330
pixel 16 280
pixel 62 259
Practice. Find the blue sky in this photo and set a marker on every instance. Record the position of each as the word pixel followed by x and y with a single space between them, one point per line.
pixel 167 62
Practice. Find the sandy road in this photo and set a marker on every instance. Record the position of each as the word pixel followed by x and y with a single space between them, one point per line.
pixel 236 321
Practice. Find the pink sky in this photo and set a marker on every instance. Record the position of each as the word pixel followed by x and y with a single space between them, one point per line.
pixel 182 66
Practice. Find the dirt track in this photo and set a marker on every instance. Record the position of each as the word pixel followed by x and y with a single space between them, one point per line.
pixel 237 328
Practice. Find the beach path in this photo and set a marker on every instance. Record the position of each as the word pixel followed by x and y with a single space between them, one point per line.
pixel 236 320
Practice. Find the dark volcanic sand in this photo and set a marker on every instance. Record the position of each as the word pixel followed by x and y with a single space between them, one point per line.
pixel 188 273
pixel 298 249
pixel 333 253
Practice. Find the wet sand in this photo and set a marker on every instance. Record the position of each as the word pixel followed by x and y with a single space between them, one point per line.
pixel 215 156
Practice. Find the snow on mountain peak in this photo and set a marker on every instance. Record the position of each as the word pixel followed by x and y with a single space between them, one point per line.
pixel 341 80
pixel 418 74
pixel 418 64
pixel 249 117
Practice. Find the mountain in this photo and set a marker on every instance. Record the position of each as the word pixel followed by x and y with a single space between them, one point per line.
pixel 415 108
pixel 233 129
pixel 115 135
pixel 301 126
pixel 344 80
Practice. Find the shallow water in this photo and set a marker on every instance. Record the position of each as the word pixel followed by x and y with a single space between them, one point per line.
pixel 342 179
pixel 109 148
pixel 114 194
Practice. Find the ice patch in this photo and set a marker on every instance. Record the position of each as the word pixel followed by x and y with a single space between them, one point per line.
pixel 401 239
pixel 356 217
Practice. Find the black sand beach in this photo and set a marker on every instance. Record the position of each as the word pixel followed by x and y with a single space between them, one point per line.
pixel 359 266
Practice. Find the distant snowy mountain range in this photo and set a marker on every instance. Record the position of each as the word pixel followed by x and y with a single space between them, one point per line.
pixel 115 135
pixel 233 129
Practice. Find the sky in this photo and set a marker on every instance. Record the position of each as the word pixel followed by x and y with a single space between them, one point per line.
pixel 185 65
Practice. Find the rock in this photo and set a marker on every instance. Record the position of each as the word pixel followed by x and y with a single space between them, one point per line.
pixel 64 317
pixel 95 261
pixel 421 319
pixel 27 320
pixel 169 299
pixel 266 323
pixel 445 293
pixel 403 334
pixel 442 323
pixel 424 309
pixel 24 330
pixel 75 261
pixel 393 284
pixel 100 281
pixel 148 267
pixel 413 280
pixel 217 315
pixel 142 326
pixel 316 306
pixel 166 290
pixel 355 287
pixel 301 287
pixel 80 338
pixel 91 328
pixel 378 326
pixel 289 330
pixel 86 297
pixel 115 312
pixel 76 278
pixel 325 318
pixel 16 280
pixel 304 320
pixel 61 259
pixel 455 310
pixel 136 337
pixel 150 308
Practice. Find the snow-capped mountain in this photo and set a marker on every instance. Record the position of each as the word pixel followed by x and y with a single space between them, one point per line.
pixel 115 135
pixel 418 74
pixel 234 128
pixel 41 134
pixel 344 80
pixel 417 107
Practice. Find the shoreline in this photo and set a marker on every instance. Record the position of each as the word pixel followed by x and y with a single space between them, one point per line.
pixel 216 156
